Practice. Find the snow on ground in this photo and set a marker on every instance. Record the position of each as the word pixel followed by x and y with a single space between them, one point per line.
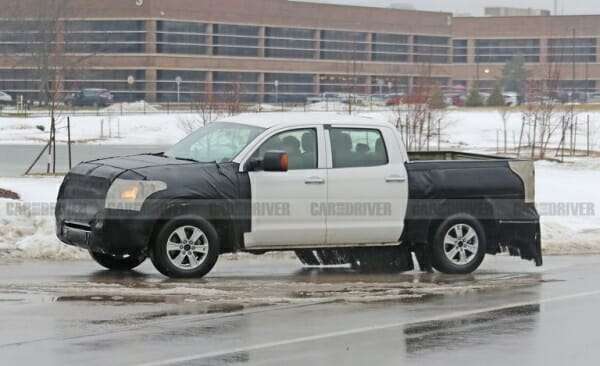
pixel 558 185
pixel 467 129
pixel 27 226
pixel 150 129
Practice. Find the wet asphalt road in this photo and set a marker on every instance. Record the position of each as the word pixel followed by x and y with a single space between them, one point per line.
pixel 509 313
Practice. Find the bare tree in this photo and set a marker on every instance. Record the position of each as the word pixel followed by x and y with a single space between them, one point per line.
pixel 505 114
pixel 413 118
pixel 352 76
pixel 207 111
pixel 542 112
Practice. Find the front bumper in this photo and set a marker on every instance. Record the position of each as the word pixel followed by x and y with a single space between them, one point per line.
pixel 115 233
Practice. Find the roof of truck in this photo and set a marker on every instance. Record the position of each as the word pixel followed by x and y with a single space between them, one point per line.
pixel 269 120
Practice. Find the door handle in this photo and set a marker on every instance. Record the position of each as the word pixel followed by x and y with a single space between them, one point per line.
pixel 314 180
pixel 395 179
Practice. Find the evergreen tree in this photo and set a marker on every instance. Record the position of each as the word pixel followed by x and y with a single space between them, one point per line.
pixel 474 99
pixel 514 74
pixel 496 99
pixel 437 100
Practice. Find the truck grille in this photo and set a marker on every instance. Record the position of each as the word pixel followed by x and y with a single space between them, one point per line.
pixel 81 198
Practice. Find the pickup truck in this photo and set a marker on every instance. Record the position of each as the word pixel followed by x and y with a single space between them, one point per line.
pixel 335 189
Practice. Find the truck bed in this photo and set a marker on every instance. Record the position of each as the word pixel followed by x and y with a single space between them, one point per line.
pixel 450 156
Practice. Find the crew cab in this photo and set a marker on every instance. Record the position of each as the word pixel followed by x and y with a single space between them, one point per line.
pixel 336 189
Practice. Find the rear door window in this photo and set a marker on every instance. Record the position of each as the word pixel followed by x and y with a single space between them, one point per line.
pixel 354 148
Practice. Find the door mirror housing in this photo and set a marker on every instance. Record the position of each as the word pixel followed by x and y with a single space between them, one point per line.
pixel 273 161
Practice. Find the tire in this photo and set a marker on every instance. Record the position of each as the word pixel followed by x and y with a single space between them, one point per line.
pixel 458 245
pixel 307 257
pixel 186 247
pixel 115 263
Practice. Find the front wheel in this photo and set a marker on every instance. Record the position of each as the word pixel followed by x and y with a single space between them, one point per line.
pixel 185 248
pixel 458 246
pixel 117 263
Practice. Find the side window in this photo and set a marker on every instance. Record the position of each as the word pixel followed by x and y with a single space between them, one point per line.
pixel 353 148
pixel 301 146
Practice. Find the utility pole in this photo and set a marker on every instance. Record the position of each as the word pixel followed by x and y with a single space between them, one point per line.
pixel 574 52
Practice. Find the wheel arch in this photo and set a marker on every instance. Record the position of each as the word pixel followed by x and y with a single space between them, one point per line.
pixel 222 221
pixel 484 208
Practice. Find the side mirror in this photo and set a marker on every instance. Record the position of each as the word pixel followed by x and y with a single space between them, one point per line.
pixel 273 161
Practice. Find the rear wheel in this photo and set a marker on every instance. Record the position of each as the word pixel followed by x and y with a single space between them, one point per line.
pixel 117 263
pixel 185 248
pixel 458 246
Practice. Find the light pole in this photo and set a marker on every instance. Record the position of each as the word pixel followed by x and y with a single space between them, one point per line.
pixel 178 81
pixel 276 83
pixel 380 83
pixel 130 82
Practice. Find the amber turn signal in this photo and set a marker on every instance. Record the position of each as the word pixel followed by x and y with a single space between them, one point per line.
pixel 130 193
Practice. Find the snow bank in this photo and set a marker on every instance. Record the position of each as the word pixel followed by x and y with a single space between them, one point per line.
pixel 25 234
pixel 27 226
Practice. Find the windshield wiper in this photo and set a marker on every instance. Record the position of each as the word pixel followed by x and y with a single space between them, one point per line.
pixel 184 159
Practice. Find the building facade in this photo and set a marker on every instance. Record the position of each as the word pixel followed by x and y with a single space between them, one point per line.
pixel 501 11
pixel 275 50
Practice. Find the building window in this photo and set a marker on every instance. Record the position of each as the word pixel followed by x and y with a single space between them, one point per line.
pixel 235 87
pixel 113 80
pixel 235 40
pixel 119 36
pixel 503 50
pixel 25 36
pixel 389 85
pixel 460 51
pixel 191 90
pixel 431 49
pixel 390 47
pixel 292 88
pixel 181 38
pixel 289 43
pixel 580 50
pixel 349 46
pixel 20 82
pixel 343 84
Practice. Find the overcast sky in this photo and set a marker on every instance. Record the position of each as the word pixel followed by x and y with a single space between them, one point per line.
pixel 475 7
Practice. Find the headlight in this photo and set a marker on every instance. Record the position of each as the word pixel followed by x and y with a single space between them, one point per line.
pixel 130 194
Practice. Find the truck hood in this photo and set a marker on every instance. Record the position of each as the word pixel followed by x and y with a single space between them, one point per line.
pixel 183 178
pixel 136 162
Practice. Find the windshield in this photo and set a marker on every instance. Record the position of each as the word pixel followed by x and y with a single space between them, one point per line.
pixel 218 142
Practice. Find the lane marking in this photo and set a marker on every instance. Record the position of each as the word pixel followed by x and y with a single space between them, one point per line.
pixel 368 329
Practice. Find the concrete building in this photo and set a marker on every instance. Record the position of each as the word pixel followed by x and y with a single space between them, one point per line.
pixel 514 12
pixel 247 47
